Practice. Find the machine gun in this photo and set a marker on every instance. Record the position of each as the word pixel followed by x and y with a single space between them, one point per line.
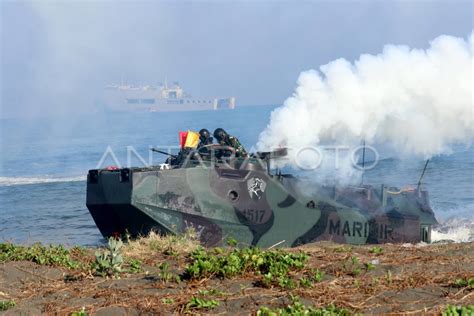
pixel 278 153
pixel 267 155
pixel 163 152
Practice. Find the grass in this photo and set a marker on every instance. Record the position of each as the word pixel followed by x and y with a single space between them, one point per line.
pixel 343 249
pixel 464 282
pixel 4 305
pixel 453 310
pixel 211 292
pixel 305 282
pixel 109 260
pixel 369 266
pixel 297 308
pixel 165 273
pixel 317 275
pixel 82 312
pixel 172 244
pixel 354 267
pixel 255 280
pixel 273 265
pixel 167 301
pixel 50 255
pixel 112 260
pixel 201 303
pixel 135 266
pixel 376 250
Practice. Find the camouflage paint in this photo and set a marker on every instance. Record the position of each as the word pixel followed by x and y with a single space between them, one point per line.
pixel 256 208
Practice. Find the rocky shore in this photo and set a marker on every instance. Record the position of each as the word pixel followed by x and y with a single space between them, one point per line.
pixel 174 275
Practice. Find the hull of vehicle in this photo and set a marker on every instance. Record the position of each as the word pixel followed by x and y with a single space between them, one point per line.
pixel 219 202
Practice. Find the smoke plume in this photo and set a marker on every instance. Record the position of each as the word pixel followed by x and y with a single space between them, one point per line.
pixel 416 101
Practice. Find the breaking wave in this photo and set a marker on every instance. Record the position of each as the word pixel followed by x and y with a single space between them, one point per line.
pixel 454 229
pixel 455 234
pixel 11 181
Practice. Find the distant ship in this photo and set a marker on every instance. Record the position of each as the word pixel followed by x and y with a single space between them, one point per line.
pixel 161 98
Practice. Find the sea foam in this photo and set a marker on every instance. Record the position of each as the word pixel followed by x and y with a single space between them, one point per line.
pixel 12 181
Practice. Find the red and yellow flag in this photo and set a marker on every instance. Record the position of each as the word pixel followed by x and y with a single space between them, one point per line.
pixel 182 138
pixel 188 139
pixel 192 140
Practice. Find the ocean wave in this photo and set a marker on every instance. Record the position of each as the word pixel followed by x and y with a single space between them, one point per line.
pixel 455 234
pixel 459 229
pixel 11 181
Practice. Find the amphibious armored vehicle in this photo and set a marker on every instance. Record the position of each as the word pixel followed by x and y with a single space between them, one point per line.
pixel 242 198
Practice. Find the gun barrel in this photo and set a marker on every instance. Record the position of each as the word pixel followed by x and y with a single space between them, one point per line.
pixel 162 152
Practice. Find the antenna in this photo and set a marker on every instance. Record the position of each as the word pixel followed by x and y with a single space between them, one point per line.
pixel 363 161
pixel 422 174
pixel 166 82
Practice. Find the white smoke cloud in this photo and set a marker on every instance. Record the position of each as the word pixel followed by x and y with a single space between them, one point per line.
pixel 416 101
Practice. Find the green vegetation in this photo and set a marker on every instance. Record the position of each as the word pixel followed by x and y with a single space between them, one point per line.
pixel 282 281
pixel 464 282
pixel 297 308
pixel 376 250
pixel 352 267
pixel 375 282
pixel 369 266
pixel 317 275
pixel 109 262
pixel 37 253
pixel 171 252
pixel 273 265
pixel 165 274
pixel 82 312
pixel 305 282
pixel 343 249
pixel 388 277
pixel 313 276
pixel 135 266
pixel 452 310
pixel 201 303
pixel 4 305
pixel 210 292
pixel 241 270
pixel 171 245
pixel 167 301
pixel 231 242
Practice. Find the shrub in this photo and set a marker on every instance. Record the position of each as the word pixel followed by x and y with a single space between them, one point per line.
pixel 297 308
pixel 273 265
pixel 37 253
pixel 452 310
pixel 201 303
pixel 109 262
pixel 4 305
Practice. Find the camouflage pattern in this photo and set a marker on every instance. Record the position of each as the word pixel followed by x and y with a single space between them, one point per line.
pixel 204 144
pixel 239 198
pixel 234 143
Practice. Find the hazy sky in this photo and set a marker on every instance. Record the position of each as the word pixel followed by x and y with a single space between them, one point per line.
pixel 57 56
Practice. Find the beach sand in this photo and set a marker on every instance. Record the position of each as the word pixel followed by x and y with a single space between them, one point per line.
pixel 382 279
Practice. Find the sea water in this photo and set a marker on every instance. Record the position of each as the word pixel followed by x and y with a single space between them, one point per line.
pixel 44 162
